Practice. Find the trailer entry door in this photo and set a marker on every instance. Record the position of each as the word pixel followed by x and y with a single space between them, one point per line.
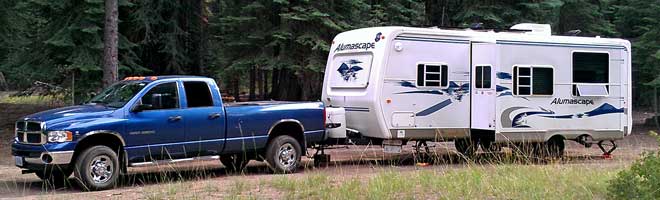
pixel 482 86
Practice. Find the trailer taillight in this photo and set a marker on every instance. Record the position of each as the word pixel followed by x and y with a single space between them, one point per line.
pixel 325 117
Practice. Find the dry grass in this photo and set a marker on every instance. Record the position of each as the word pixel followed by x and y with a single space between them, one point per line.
pixel 506 181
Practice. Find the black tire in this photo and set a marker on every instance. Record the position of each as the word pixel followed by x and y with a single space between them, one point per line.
pixel 54 176
pixel 234 162
pixel 554 148
pixel 283 154
pixel 100 163
pixel 466 147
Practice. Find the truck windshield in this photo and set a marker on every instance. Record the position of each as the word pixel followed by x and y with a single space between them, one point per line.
pixel 117 95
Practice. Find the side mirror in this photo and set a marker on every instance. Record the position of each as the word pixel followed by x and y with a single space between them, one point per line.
pixel 141 107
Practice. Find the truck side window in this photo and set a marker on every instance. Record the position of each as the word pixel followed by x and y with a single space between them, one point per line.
pixel 163 96
pixel 197 94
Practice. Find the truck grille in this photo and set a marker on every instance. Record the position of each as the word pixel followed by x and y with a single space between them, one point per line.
pixel 30 132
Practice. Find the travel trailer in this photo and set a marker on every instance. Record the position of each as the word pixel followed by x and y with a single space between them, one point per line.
pixel 391 85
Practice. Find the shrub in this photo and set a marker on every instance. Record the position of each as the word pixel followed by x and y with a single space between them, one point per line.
pixel 641 181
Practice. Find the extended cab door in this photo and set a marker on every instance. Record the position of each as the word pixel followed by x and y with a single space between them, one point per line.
pixel 205 118
pixel 157 131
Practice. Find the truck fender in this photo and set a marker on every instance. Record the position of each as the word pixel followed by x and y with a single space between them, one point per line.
pixel 301 137
pixel 122 154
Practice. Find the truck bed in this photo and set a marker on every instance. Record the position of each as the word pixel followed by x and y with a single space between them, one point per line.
pixel 257 103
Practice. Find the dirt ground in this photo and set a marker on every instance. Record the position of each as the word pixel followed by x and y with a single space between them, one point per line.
pixel 346 162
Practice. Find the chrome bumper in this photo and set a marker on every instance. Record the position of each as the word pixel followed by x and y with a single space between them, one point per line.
pixel 52 158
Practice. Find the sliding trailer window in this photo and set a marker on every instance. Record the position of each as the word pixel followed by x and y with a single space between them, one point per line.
pixel 432 75
pixel 533 80
pixel 591 74
pixel 482 77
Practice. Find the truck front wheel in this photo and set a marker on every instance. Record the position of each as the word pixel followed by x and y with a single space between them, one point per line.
pixel 97 168
pixel 283 154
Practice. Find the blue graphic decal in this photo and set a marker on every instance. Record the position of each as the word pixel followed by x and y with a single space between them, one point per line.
pixel 378 37
pixel 434 108
pixel 407 84
pixel 453 91
pixel 503 75
pixel 423 92
pixel 348 70
pixel 519 120
pixel 500 88
pixel 601 110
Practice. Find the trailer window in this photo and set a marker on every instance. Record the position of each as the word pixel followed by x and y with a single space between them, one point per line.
pixel 590 74
pixel 432 75
pixel 482 77
pixel 533 80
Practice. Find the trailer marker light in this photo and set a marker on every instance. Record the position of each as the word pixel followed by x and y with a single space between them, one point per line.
pixel 388 100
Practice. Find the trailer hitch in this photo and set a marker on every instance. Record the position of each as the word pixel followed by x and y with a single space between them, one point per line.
pixel 607 154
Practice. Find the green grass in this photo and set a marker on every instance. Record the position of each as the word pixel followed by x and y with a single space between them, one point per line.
pixel 490 181
pixel 482 182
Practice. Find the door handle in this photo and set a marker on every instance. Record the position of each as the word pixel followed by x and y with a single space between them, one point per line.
pixel 214 116
pixel 175 118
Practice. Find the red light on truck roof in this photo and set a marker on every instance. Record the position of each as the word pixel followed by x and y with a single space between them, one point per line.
pixel 137 78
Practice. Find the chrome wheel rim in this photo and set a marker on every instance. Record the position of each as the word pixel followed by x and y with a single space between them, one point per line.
pixel 101 169
pixel 287 155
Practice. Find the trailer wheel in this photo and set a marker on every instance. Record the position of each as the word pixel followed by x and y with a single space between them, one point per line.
pixel 283 154
pixel 54 176
pixel 234 162
pixel 97 168
pixel 554 148
pixel 466 147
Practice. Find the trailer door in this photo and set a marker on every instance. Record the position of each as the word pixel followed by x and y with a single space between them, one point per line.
pixel 482 87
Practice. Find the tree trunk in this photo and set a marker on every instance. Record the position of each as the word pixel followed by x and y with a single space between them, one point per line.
pixel 275 84
pixel 110 43
pixel 264 91
pixel 3 83
pixel 253 76
pixel 260 84
pixel 236 89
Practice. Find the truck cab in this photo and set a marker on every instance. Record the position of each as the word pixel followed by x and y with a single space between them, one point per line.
pixel 149 120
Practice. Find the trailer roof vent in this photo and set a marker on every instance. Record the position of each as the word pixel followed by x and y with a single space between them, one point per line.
pixel 534 29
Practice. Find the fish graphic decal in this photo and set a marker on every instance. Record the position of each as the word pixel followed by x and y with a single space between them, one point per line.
pixel 348 69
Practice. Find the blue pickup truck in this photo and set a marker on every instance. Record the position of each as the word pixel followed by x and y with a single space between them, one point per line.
pixel 147 120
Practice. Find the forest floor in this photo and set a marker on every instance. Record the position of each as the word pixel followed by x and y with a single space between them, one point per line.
pixel 356 172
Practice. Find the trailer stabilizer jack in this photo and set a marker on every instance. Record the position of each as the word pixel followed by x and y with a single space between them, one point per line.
pixel 607 154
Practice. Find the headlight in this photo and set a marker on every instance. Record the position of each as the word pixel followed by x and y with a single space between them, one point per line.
pixel 59 136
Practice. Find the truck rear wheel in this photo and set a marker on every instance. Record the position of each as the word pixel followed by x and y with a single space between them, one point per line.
pixel 54 176
pixel 234 162
pixel 97 168
pixel 283 154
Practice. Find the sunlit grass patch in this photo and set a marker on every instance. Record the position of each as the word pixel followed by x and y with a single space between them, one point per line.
pixel 34 100
pixel 478 182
